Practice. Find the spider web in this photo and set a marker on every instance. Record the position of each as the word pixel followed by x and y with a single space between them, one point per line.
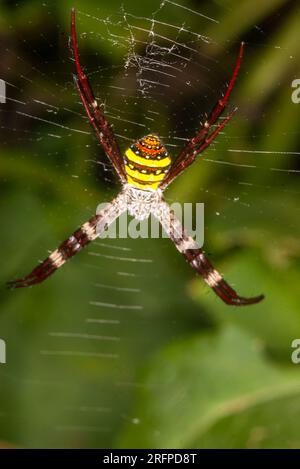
pixel 165 77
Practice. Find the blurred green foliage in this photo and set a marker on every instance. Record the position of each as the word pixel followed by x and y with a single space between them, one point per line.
pixel 184 370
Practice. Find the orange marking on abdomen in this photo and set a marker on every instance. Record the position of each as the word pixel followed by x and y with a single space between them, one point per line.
pixel 149 151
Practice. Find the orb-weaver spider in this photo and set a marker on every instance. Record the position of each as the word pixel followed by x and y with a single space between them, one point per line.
pixel 144 172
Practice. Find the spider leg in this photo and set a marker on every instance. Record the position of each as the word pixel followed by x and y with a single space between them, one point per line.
pixel 195 256
pixel 96 117
pixel 71 246
pixel 203 139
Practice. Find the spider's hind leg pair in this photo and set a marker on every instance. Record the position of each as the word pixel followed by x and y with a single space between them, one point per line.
pixel 144 172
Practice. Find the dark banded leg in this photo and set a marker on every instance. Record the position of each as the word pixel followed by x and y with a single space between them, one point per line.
pixel 204 136
pixel 71 246
pixel 197 259
pixel 95 115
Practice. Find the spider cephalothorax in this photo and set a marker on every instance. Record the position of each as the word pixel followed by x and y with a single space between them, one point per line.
pixel 140 203
pixel 144 172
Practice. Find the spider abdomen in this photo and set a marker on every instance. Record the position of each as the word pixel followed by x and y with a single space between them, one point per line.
pixel 146 163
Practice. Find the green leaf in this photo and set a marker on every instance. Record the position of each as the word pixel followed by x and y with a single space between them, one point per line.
pixel 191 388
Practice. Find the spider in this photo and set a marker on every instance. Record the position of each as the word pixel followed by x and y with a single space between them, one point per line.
pixel 145 171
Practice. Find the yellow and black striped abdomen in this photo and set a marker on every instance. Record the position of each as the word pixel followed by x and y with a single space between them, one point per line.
pixel 146 163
